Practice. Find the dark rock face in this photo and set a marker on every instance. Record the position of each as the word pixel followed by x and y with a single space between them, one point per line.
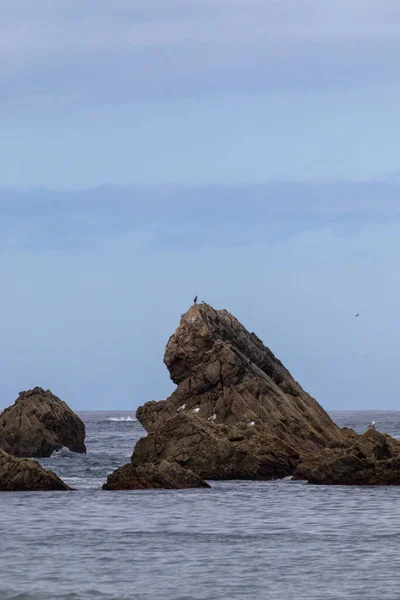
pixel 371 459
pixel 217 451
pixel 38 423
pixel 167 476
pixel 263 422
pixel 20 474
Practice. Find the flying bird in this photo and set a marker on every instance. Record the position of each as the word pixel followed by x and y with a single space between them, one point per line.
pixel 181 408
pixel 357 315
pixel 212 418
pixel 196 410
pixel 195 300
pixel 251 424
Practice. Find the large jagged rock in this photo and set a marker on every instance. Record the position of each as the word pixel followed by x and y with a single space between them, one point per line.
pixel 38 423
pixel 23 475
pixel 264 421
pixel 264 425
pixel 371 459
pixel 222 369
pixel 166 475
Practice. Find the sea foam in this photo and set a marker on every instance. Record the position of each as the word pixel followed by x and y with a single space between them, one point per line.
pixel 116 419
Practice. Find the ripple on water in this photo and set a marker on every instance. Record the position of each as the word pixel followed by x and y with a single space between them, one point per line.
pixel 276 540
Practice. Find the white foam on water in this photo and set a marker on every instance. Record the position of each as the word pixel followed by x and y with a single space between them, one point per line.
pixel 62 453
pixel 117 419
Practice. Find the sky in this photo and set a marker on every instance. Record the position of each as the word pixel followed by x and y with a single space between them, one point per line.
pixel 245 151
pixel 208 91
pixel 95 282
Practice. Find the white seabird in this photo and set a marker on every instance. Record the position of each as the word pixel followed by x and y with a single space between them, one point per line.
pixel 181 408
pixel 372 424
pixel 196 410
pixel 212 418
pixel 251 424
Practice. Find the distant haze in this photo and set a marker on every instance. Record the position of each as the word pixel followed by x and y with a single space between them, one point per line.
pixel 94 282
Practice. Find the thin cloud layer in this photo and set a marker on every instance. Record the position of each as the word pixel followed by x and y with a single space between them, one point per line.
pixel 136 50
pixel 89 300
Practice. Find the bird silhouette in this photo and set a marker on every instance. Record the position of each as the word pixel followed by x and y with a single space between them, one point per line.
pixel 195 300
pixel 357 315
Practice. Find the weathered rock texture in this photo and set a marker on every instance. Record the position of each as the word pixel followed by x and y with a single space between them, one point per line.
pixel 168 476
pixel 223 370
pixel 217 451
pixel 20 474
pixel 38 423
pixel 371 459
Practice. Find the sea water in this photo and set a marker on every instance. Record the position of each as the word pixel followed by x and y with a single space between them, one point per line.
pixel 278 540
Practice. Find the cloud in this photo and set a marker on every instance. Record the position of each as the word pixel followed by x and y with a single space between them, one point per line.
pixel 89 316
pixel 132 51
pixel 190 216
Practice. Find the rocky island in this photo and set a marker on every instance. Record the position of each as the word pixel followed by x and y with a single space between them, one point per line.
pixel 21 474
pixel 237 413
pixel 38 424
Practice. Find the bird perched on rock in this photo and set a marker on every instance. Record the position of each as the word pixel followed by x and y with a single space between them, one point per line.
pixel 196 410
pixel 212 418
pixel 372 424
pixel 181 408
pixel 195 300
pixel 251 424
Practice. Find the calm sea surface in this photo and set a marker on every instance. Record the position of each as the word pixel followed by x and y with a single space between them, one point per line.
pixel 238 540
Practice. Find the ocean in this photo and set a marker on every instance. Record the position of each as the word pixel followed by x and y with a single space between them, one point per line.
pixel 278 540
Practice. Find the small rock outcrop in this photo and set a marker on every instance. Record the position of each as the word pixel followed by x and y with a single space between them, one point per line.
pixel 23 475
pixel 165 475
pixel 39 423
pixel 371 459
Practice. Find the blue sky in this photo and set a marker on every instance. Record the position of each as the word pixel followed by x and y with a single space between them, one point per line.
pixel 94 283
pixel 245 151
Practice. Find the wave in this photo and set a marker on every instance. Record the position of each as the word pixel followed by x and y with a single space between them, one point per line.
pixel 120 419
pixel 63 453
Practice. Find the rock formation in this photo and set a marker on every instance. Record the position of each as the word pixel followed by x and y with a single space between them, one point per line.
pixel 264 421
pixel 165 475
pixel 21 474
pixel 371 459
pixel 222 369
pixel 38 423
pixel 217 451
pixel 237 413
